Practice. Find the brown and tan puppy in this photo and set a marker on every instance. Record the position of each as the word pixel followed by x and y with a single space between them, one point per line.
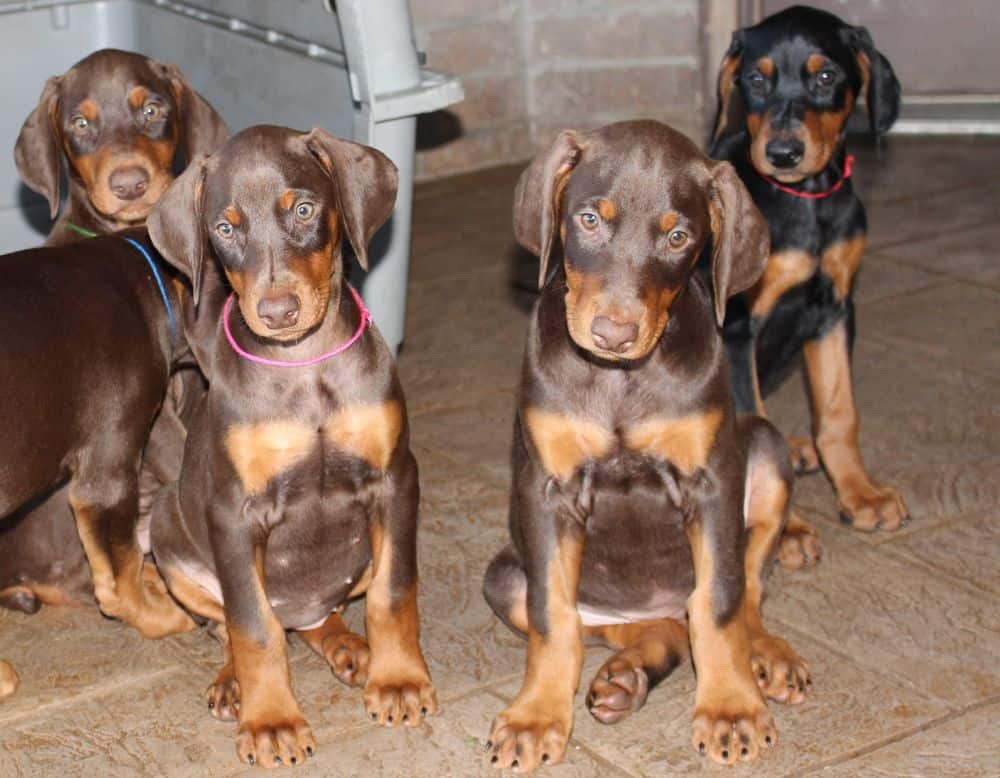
pixel 119 122
pixel 644 510
pixel 298 490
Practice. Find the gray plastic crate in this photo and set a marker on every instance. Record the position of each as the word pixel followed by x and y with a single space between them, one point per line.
pixel 349 66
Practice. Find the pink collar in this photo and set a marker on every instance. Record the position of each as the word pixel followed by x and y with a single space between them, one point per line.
pixel 848 165
pixel 366 319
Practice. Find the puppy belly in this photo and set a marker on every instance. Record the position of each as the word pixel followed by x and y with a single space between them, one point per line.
pixel 663 605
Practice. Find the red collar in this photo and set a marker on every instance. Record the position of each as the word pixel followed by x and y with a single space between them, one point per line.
pixel 848 169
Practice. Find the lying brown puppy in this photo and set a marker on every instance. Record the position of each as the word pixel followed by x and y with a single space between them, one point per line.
pixel 298 490
pixel 638 493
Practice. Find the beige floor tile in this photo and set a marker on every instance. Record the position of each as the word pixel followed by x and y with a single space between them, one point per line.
pixel 962 747
pixel 967 255
pixel 966 548
pixel 883 276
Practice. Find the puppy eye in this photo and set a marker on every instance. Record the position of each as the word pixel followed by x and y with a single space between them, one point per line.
pixel 304 211
pixel 677 239
pixel 826 77
pixel 589 220
pixel 79 122
pixel 224 230
pixel 151 112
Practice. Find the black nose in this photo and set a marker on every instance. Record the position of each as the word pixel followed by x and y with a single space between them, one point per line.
pixel 785 153
pixel 128 183
pixel 279 312
pixel 614 336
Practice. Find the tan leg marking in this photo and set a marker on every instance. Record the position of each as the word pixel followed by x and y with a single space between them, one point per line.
pixel 835 426
pixel 841 261
pixel 799 545
pixel 731 720
pixel 784 270
pixel 259 452
pixel 223 695
pixel 8 680
pixel 536 726
pixel 781 674
pixel 398 689
pixel 133 595
pixel 272 730
pixel 684 441
pixel 346 652
pixel 369 432
pixel 192 596
pixel 564 443
pixel 622 684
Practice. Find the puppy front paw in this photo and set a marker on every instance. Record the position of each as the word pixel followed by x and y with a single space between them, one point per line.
pixel 528 735
pixel 392 701
pixel 733 729
pixel 279 742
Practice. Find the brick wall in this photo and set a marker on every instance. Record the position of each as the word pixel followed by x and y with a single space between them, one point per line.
pixel 533 67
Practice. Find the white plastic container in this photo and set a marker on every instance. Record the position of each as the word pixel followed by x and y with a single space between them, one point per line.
pixel 349 66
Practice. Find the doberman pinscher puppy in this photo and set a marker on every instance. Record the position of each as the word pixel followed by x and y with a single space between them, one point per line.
pixel 298 489
pixel 798 75
pixel 638 493
pixel 119 121
pixel 88 345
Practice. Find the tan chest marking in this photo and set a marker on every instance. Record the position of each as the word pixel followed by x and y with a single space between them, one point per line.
pixel 685 440
pixel 784 270
pixel 259 452
pixel 564 443
pixel 369 432
pixel 841 262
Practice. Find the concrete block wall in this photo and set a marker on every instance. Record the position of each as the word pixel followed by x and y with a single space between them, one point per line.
pixel 534 67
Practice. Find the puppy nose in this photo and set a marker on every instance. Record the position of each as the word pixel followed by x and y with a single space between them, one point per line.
pixel 279 312
pixel 785 153
pixel 128 183
pixel 614 336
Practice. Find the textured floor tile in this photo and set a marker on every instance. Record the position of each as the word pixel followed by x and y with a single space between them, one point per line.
pixel 881 276
pixel 456 498
pixel 963 747
pixel 966 548
pixel 968 255
pixel 895 618
pixel 849 705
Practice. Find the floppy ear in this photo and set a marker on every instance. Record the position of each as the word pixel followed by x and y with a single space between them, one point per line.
pixel 202 129
pixel 365 181
pixel 37 153
pixel 878 81
pixel 728 73
pixel 175 225
pixel 537 198
pixel 741 241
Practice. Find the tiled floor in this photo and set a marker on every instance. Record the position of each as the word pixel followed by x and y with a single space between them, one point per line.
pixel 901 631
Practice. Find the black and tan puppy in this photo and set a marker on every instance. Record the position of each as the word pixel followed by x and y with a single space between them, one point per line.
pixel 118 121
pixel 638 493
pixel 298 490
pixel 87 352
pixel 797 76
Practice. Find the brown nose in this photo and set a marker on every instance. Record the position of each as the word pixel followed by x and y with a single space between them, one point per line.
pixel 614 336
pixel 128 183
pixel 279 312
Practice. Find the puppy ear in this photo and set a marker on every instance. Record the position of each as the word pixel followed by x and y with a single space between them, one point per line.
pixel 728 74
pixel 202 129
pixel 878 81
pixel 37 153
pixel 538 197
pixel 176 225
pixel 365 182
pixel 741 241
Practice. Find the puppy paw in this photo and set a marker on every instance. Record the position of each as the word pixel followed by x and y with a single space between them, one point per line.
pixel 395 701
pixel 348 656
pixel 619 689
pixel 8 680
pixel 781 674
pixel 733 732
pixel 805 458
pixel 527 736
pixel 223 697
pixel 799 545
pixel 872 508
pixel 280 743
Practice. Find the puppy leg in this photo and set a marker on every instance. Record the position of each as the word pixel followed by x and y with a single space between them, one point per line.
pixel 781 674
pixel 398 689
pixel 8 680
pixel 505 588
pixel 346 652
pixel 223 694
pixel 648 651
pixel 863 503
pixel 105 502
